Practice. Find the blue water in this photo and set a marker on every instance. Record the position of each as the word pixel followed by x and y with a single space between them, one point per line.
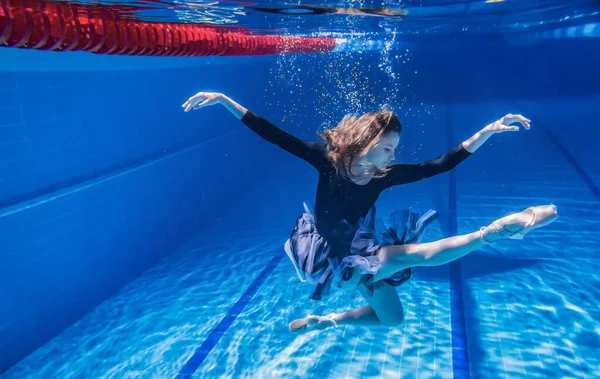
pixel 138 241
pixel 530 312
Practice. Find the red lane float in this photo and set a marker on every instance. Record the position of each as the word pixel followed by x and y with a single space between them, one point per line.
pixel 58 26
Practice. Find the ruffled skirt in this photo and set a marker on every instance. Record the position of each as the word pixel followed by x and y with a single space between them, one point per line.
pixel 351 249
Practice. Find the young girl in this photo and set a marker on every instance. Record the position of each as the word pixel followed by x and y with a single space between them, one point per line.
pixel 339 242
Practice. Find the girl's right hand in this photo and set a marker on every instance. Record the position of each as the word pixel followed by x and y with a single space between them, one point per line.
pixel 202 99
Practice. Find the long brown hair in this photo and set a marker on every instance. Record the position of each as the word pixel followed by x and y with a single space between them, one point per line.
pixel 354 136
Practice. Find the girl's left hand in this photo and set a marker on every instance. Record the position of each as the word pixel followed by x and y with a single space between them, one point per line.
pixel 503 124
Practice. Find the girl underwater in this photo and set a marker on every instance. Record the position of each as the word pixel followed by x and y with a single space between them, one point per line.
pixel 338 242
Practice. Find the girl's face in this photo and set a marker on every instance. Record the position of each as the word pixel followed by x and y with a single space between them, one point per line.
pixel 382 153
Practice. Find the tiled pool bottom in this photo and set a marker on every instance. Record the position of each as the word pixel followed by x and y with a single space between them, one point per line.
pixel 529 310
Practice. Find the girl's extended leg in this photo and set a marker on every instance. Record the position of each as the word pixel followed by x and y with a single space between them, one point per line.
pixel 395 258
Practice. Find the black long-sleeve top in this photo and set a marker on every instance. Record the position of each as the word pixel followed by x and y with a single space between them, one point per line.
pixel 338 198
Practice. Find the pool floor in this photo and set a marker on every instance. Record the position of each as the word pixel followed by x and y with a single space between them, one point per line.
pixel 220 309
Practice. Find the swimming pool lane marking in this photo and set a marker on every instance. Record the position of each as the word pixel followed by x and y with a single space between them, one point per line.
pixel 460 356
pixel 219 331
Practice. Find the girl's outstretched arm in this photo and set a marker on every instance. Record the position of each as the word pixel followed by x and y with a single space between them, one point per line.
pixel 502 125
pixel 409 173
pixel 202 99
pixel 312 152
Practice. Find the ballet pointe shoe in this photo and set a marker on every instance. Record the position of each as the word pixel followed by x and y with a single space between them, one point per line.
pixel 517 225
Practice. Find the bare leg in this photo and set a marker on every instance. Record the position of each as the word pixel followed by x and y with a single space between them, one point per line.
pixel 516 225
pixel 359 316
pixel 384 309
pixel 395 258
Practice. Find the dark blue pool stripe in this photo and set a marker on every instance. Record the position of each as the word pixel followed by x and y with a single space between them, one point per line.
pixel 215 336
pixel 460 357
pixel 578 168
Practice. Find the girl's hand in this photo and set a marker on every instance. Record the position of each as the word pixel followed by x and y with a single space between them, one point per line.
pixel 503 124
pixel 202 99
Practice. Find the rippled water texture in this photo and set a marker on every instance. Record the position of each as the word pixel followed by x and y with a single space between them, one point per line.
pixel 530 307
pixel 370 19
